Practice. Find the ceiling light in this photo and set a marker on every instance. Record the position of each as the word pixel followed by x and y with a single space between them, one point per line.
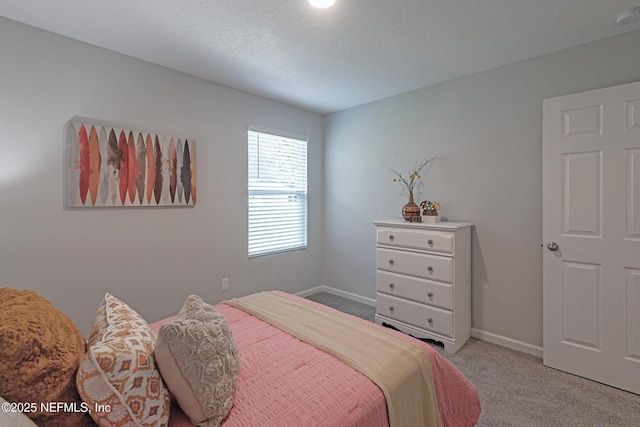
pixel 628 17
pixel 322 4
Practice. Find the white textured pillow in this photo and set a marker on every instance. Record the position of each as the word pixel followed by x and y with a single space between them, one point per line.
pixel 14 419
pixel 199 362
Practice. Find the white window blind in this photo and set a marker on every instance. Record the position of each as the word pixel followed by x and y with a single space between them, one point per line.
pixel 277 192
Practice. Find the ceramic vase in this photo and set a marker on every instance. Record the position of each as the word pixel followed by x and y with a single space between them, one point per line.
pixel 411 211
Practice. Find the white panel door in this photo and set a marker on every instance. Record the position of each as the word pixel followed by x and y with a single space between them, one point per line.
pixel 591 234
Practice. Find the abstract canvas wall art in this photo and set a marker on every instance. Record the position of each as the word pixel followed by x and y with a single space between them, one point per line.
pixel 110 166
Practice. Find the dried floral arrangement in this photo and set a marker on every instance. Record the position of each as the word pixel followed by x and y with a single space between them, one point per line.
pixel 415 173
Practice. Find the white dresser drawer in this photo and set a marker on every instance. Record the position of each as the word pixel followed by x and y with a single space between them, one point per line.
pixel 420 315
pixel 413 288
pixel 431 267
pixel 428 240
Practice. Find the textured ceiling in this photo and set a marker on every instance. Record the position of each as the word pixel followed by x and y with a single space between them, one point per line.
pixel 327 60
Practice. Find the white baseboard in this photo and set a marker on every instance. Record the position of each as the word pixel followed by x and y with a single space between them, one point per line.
pixel 340 293
pixel 311 291
pixel 507 342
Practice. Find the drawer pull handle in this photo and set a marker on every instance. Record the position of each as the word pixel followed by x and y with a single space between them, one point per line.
pixel 391 308
pixel 430 242
pixel 430 320
pixel 430 294
pixel 391 237
pixel 430 269
pixel 391 262
pixel 391 285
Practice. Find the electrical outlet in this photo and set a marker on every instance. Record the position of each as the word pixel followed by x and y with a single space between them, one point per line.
pixel 225 284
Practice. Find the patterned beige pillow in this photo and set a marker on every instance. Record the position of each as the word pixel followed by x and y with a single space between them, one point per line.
pixel 119 371
pixel 199 362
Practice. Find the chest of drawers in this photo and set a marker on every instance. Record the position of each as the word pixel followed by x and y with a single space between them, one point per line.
pixel 424 280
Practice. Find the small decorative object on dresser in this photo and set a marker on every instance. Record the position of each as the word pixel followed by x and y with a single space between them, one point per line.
pixel 424 280
pixel 411 211
pixel 430 211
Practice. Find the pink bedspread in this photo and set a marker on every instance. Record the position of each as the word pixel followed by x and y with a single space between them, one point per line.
pixel 286 382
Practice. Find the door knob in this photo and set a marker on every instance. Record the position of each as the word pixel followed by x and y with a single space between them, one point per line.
pixel 553 246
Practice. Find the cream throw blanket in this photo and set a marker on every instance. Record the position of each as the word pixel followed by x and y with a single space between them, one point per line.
pixel 399 368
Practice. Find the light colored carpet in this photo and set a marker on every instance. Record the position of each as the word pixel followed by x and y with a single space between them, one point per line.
pixel 517 390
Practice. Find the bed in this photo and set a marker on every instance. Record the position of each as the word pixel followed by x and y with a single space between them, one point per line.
pixel 284 381
pixel 284 376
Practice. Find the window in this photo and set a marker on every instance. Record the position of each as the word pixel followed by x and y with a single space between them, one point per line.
pixel 277 192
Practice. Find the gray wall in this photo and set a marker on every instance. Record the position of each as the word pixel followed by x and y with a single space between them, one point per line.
pixel 150 258
pixel 488 129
